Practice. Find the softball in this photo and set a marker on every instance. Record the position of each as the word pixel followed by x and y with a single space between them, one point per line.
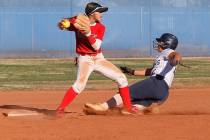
pixel 65 23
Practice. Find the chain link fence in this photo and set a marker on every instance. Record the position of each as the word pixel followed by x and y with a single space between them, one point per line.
pixel 29 28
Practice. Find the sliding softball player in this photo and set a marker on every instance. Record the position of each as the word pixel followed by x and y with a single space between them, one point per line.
pixel 148 94
pixel 89 32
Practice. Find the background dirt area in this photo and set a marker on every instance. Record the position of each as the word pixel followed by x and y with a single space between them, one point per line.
pixel 185 116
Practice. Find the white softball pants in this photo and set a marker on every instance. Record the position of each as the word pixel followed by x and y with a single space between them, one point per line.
pixel 87 64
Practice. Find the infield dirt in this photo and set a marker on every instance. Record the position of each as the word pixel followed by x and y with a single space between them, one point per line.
pixel 185 116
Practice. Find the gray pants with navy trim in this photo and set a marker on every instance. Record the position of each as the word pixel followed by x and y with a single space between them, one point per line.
pixel 149 91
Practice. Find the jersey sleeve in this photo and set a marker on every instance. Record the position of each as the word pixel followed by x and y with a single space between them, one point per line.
pixel 101 31
pixel 168 52
pixel 100 35
pixel 72 21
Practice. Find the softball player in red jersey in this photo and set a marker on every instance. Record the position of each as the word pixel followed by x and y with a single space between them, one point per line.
pixel 88 47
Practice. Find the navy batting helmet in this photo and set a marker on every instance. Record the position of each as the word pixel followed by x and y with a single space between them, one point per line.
pixel 166 41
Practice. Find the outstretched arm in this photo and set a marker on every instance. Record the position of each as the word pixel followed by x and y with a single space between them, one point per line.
pixel 145 72
pixel 130 71
pixel 67 24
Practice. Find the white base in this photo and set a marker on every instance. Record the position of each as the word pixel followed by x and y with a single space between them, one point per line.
pixel 18 113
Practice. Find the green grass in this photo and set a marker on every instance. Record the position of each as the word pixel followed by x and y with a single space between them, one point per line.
pixel 26 74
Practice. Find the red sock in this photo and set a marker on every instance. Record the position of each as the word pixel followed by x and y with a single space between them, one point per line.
pixel 125 95
pixel 68 98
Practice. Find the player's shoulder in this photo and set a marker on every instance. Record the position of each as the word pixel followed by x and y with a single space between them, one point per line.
pixel 168 51
pixel 100 25
pixel 165 53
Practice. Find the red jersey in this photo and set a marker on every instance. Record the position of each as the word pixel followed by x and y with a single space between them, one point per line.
pixel 84 43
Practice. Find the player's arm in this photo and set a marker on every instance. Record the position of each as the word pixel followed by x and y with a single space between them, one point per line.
pixel 174 58
pixel 96 42
pixel 82 24
pixel 130 71
pixel 145 72
pixel 67 24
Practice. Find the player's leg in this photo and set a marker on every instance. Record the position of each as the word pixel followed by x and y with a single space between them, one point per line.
pixel 151 94
pixel 115 101
pixel 85 67
pixel 143 93
pixel 148 95
pixel 111 71
pixel 142 98
pixel 149 91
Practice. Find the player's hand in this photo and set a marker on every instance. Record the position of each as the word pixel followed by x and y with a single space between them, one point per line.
pixel 64 24
pixel 127 70
pixel 82 23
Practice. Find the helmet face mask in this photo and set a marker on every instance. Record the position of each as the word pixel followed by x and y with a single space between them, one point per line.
pixel 157 45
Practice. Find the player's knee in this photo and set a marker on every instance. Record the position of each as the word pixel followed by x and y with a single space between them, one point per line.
pixel 79 86
pixel 122 80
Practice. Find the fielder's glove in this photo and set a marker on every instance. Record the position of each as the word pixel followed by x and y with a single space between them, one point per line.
pixel 127 70
pixel 82 23
pixel 174 58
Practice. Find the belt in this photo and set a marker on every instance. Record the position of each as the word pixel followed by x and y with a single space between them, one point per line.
pixel 159 77
pixel 90 54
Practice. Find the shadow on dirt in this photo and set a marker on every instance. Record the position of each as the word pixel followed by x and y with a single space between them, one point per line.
pixel 117 112
pixel 46 112
pixel 113 112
